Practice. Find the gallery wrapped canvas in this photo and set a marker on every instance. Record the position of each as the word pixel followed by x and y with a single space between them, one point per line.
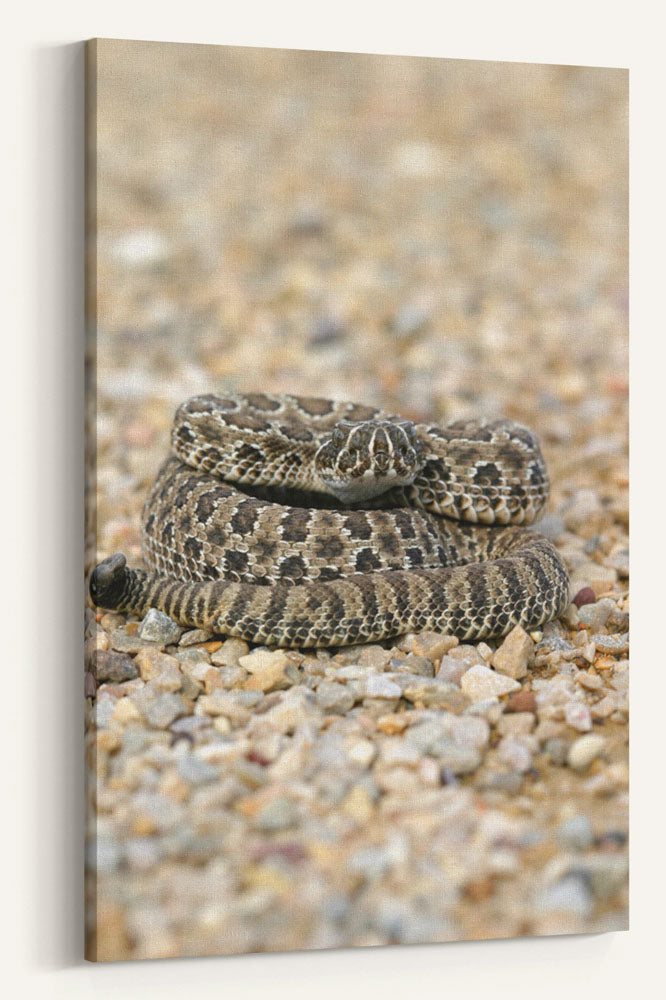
pixel 357 641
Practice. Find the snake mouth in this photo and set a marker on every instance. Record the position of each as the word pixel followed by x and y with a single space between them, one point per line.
pixel 106 581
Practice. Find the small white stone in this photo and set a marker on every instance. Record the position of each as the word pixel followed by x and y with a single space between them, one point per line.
pixel 482 682
pixel 577 715
pixel 378 686
pixel 585 750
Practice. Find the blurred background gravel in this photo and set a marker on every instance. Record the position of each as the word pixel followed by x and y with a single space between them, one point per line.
pixel 441 238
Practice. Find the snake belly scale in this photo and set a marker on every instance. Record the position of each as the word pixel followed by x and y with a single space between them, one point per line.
pixel 295 521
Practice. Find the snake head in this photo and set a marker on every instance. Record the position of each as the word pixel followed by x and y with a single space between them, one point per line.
pixel 107 581
pixel 362 459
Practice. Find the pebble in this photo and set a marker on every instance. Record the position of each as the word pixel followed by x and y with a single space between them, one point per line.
pixel 159 710
pixel 159 667
pixel 114 667
pixel 412 664
pixel 613 644
pixel 196 771
pixel 432 645
pixel 278 814
pixel 267 671
pixel 594 616
pixel 516 724
pixel 521 701
pixel 334 697
pixel 229 653
pixel 193 637
pixel 515 753
pixel 515 654
pixel 481 682
pixel 577 715
pixel 457 758
pixel 158 627
pixel 451 670
pixel 380 686
pixel 435 693
pixel 557 749
pixel 584 597
pixel 570 895
pixel 125 642
pixel 575 833
pixel 584 750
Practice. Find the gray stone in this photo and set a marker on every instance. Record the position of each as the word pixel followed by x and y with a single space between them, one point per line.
pixel 411 664
pixel 334 697
pixel 277 814
pixel 436 693
pixel 194 636
pixel 458 758
pixel 158 627
pixel 159 710
pixel 575 833
pixel 594 616
pixel 613 644
pixel 515 753
pixel 569 895
pixel 113 667
pixel 196 771
pixel 381 686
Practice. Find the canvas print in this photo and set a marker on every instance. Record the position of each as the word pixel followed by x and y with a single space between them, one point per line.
pixel 357 565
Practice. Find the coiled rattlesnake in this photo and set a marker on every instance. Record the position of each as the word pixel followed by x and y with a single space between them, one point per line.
pixel 292 521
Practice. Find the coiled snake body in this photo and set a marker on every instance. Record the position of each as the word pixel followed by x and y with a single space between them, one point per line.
pixel 292 521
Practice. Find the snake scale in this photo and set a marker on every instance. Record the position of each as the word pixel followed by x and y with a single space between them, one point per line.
pixel 294 521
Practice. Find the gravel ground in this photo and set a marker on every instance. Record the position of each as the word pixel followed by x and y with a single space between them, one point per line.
pixel 442 238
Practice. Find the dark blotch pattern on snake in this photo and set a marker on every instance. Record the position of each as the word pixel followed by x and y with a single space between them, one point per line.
pixel 292 521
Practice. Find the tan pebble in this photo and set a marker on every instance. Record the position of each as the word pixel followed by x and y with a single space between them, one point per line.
pixel 132 628
pixel 268 680
pixel 101 641
pixel 618 773
pixel 222 725
pixel 267 877
pixel 108 740
pixel 212 646
pixel 392 724
pixel 358 804
pixel 592 682
pixel 515 654
pixel 584 750
pixel 229 653
pixel 174 786
pixel 260 659
pixel 143 826
pixel 482 682
pixel 154 665
pixel 126 711
pixel 432 645
pixel 604 708
pixel 516 724
pixel 212 680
